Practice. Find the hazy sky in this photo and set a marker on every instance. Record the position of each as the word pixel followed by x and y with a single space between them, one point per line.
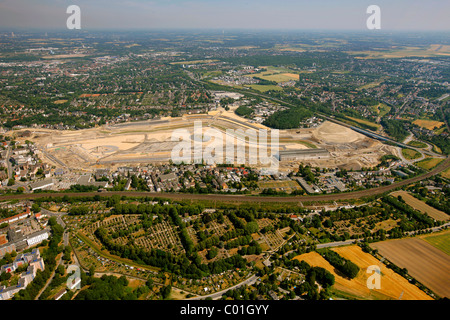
pixel 225 14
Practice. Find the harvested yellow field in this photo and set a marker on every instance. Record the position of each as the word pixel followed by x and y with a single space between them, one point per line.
pixel 292 75
pixel 428 124
pixel 392 284
pixel 403 52
pixel 60 101
pixel 275 74
pixel 421 206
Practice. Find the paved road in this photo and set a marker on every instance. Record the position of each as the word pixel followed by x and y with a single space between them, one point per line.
pixel 55 214
pixel 65 242
pixel 351 241
pixel 218 295
pixel 8 155
pixel 51 277
pixel 336 244
pixel 360 130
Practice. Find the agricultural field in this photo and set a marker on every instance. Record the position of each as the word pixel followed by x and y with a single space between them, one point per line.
pixel 265 88
pixel 421 206
pixel 278 75
pixel 429 163
pixel 424 262
pixel 428 124
pixel 392 284
pixel 433 50
pixel 440 240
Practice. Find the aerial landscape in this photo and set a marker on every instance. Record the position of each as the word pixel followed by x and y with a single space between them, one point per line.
pixel 232 165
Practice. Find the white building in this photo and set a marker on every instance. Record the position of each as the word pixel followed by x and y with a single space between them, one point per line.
pixel 43 184
pixel 37 238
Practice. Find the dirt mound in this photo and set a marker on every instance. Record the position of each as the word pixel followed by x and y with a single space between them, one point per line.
pixel 330 132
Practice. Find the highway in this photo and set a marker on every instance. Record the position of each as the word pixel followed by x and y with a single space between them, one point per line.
pixel 362 131
pixel 381 138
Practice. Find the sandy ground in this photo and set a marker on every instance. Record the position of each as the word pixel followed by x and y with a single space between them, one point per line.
pixel 151 142
pixel 330 132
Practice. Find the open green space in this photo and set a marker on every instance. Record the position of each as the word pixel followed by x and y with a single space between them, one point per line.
pixel 429 163
pixel 417 144
pixel 410 154
pixel 440 241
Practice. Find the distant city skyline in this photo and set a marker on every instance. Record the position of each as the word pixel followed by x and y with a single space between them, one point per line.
pixel 402 15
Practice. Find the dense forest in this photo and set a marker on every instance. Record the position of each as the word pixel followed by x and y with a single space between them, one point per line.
pixel 244 111
pixel 345 266
pixel 288 119
pixel 395 128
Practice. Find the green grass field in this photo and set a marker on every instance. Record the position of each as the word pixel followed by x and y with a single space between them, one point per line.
pixel 381 109
pixel 263 88
pixel 417 144
pixel 429 163
pixel 384 109
pixel 366 122
pixel 369 85
pixel 287 186
pixel 446 173
pixel 410 154
pixel 276 74
pixel 440 241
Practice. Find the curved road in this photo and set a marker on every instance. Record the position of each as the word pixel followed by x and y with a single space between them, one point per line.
pixel 243 198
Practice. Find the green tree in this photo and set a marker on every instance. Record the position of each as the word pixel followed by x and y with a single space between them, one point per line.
pixel 35 208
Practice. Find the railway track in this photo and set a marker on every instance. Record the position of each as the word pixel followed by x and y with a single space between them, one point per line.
pixel 242 198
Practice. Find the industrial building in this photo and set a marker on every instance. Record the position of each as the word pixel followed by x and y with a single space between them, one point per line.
pixel 304 154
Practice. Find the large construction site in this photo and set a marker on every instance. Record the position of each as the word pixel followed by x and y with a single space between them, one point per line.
pixel 151 142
